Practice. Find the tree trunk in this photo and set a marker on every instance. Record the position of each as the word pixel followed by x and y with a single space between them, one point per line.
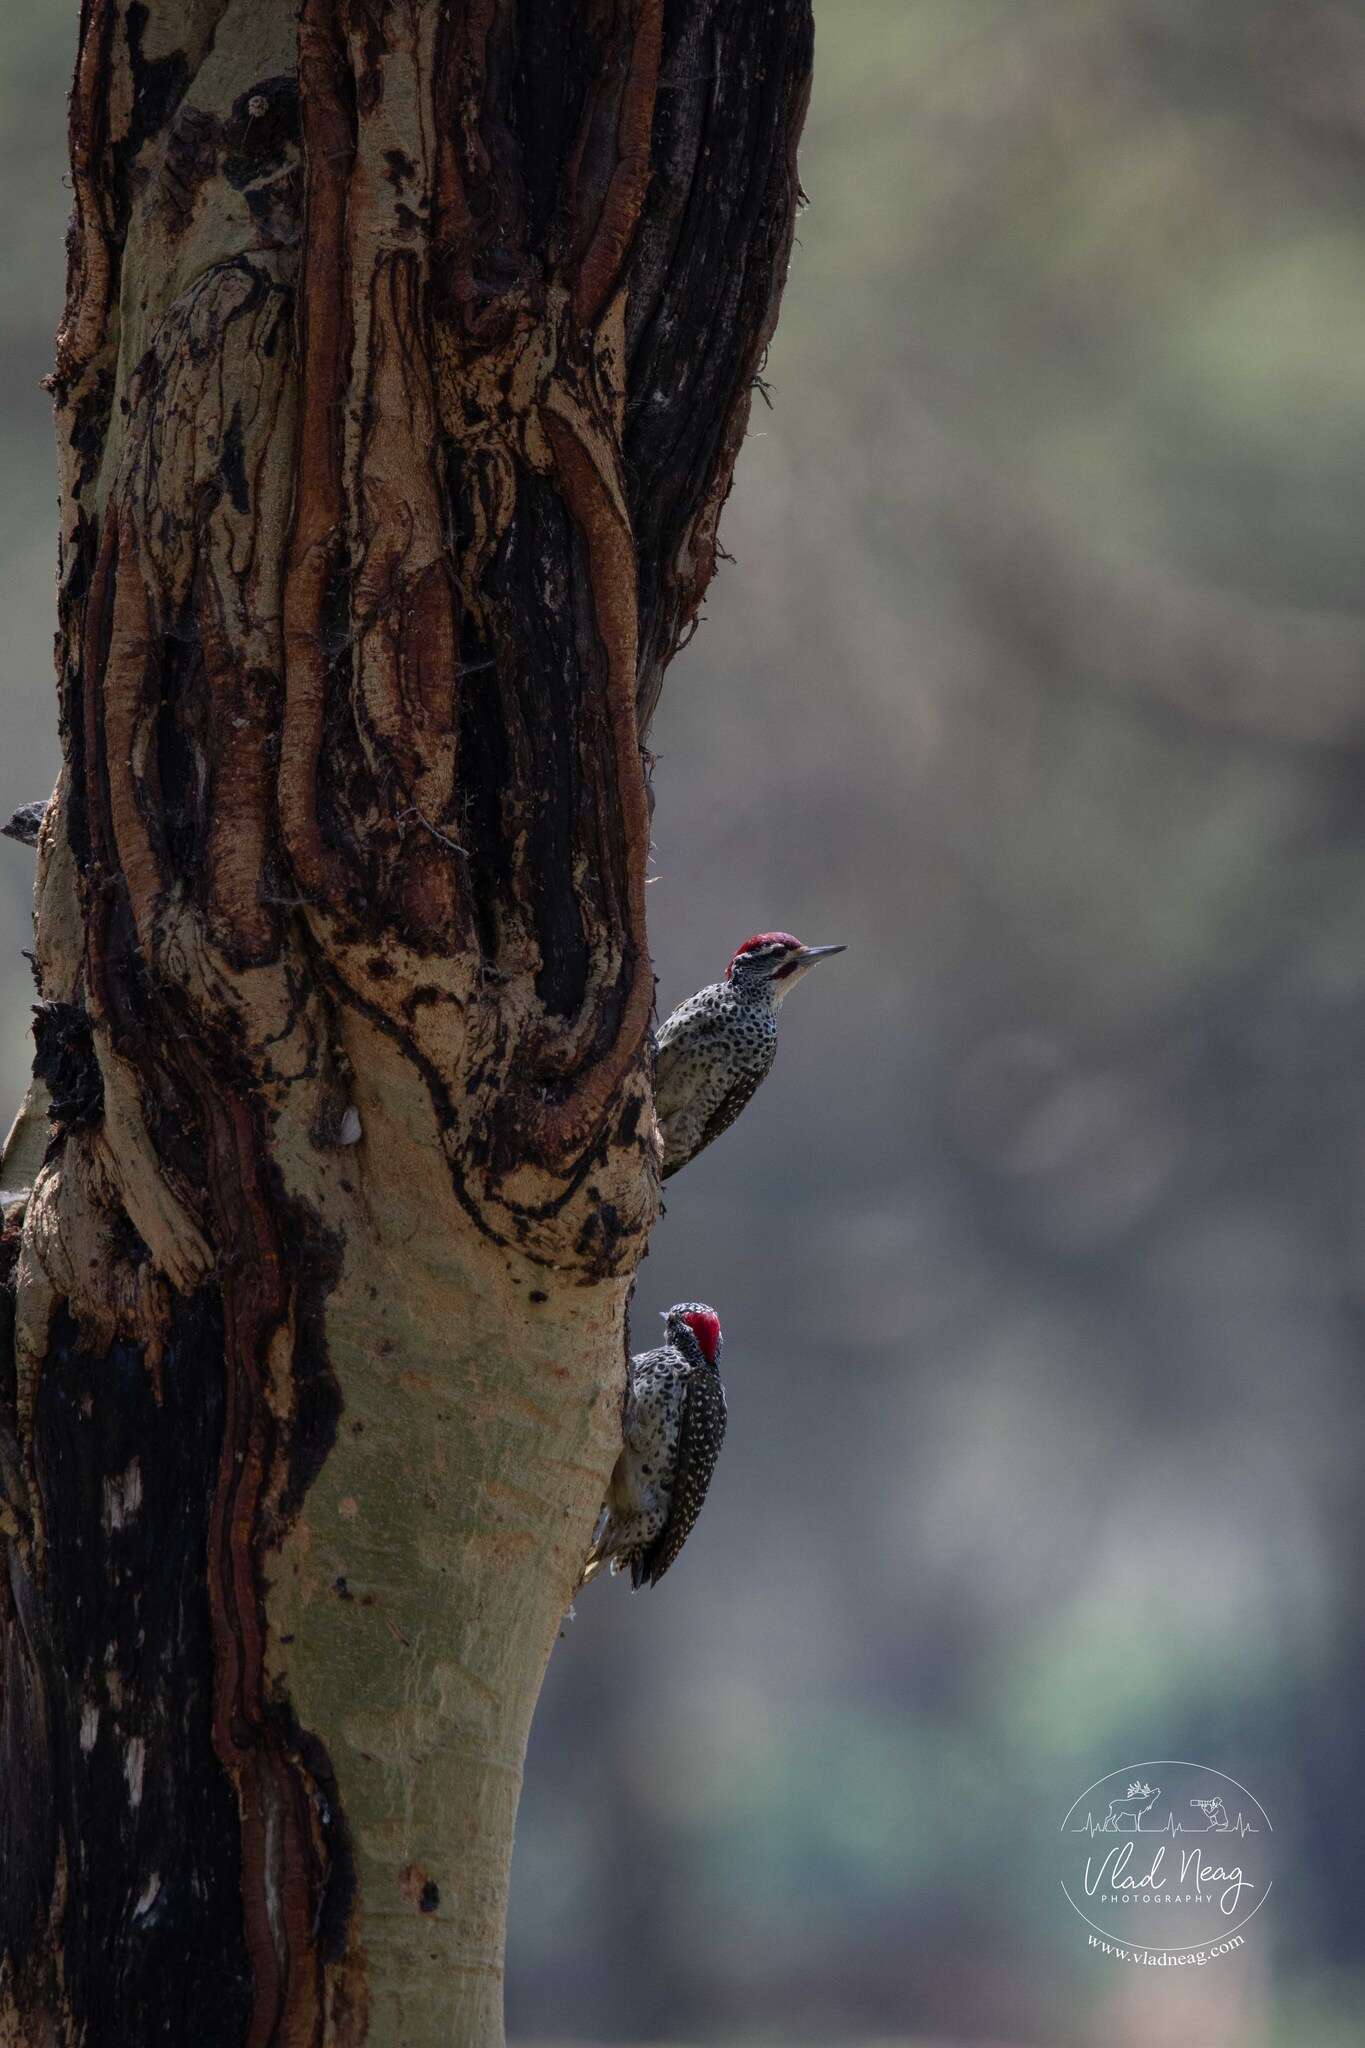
pixel 407 353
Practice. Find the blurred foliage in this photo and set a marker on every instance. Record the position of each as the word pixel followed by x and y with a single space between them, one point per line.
pixel 1040 680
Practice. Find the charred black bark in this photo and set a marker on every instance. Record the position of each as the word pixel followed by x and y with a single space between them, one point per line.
pixel 147 1814
pixel 109 1758
pixel 718 231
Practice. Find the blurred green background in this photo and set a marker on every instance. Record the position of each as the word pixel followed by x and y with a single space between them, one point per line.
pixel 1040 680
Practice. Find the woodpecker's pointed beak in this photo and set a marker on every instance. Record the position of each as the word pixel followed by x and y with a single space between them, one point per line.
pixel 798 966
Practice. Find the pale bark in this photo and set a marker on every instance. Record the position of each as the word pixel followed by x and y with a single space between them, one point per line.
pixel 407 354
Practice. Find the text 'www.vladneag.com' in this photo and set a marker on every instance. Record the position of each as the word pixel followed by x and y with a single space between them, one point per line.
pixel 1162 1958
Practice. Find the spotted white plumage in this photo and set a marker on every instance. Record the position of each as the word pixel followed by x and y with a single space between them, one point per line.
pixel 715 1049
pixel 672 1433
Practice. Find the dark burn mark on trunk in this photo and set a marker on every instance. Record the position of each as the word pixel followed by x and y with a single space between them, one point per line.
pixel 158 87
pixel 629 1125
pixel 553 65
pixel 709 260
pixel 232 463
pixel 89 425
pixel 318 1404
pixel 78 556
pixel 78 559
pixel 600 1238
pixel 256 145
pixel 65 1059
pixel 484 753
pixel 28 1819
pixel 175 808
pixel 176 1126
pixel 28 1825
pixel 531 577
pixel 152 1942
pixel 262 131
pixel 276 207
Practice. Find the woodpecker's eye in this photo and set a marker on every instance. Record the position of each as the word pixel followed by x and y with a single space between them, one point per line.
pixel 765 945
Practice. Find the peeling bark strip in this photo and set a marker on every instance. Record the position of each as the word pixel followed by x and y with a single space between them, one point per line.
pixel 407 353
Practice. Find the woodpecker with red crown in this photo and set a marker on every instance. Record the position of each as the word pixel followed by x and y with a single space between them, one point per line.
pixel 718 1045
pixel 674 1427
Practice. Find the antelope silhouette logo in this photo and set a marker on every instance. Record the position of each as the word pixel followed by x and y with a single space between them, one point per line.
pixel 1125 1815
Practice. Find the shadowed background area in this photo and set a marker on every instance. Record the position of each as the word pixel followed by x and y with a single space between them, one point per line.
pixel 1039 680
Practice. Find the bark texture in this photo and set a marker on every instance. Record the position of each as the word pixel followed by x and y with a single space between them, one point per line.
pixel 407 353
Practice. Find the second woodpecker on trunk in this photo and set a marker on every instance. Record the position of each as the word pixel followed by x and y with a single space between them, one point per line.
pixel 674 1427
pixel 718 1045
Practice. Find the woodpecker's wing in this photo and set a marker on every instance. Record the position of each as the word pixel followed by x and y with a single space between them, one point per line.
pixel 726 1111
pixel 699 1440
pixel 720 1119
pixel 678 1036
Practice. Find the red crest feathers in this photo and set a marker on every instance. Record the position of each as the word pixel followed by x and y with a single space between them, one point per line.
pixel 706 1327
